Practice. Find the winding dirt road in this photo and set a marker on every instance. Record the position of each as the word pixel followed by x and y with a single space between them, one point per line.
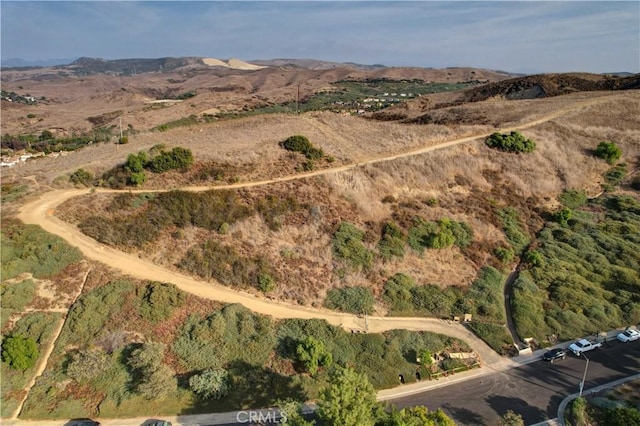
pixel 41 212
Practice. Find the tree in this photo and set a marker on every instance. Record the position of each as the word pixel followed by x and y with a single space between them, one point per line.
pixel 349 400
pixel 609 151
pixel 136 162
pixel 313 354
pixel 417 416
pixel 20 352
pixel 158 383
pixel 292 411
pixel 511 419
pixel 148 357
pixel 211 383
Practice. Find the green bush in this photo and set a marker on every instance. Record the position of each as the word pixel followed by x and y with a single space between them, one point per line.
pixel 349 248
pixel 573 198
pixel 441 234
pixel 398 293
pixel 504 254
pixel 486 294
pixel 513 229
pixel 28 248
pixel 494 335
pixel 81 177
pixel 17 296
pixel 609 151
pixel 158 300
pixel 511 142
pixel 312 354
pixel 614 176
pixel 177 158
pixel 232 334
pixel 356 300
pixel 19 352
pixel 301 144
pixel 579 411
pixel 211 383
pixel 392 242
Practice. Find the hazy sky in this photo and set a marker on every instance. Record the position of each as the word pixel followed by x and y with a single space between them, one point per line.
pixel 602 36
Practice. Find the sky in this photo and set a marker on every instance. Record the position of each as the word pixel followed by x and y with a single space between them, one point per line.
pixel 515 36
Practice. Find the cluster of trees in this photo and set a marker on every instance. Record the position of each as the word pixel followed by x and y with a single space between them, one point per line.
pixel 511 142
pixel 299 143
pixel 46 142
pixel 133 171
pixel 350 399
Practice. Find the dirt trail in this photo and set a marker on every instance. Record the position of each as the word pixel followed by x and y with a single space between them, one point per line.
pixel 41 212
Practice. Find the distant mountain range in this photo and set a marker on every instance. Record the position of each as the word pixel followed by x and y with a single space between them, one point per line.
pixel 18 63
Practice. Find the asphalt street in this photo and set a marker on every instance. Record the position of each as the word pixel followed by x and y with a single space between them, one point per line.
pixel 533 390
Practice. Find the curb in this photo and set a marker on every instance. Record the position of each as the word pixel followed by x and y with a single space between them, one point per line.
pixel 567 400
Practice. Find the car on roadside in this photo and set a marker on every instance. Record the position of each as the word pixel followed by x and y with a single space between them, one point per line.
pixel 554 354
pixel 583 345
pixel 629 335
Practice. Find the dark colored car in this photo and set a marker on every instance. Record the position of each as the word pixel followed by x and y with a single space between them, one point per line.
pixel 554 354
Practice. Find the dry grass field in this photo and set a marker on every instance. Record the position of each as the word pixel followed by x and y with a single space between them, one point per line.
pixel 467 181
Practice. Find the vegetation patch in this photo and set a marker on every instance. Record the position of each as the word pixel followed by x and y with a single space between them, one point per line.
pixel 511 142
pixel 609 151
pixel 513 229
pixel 356 300
pixel 348 247
pixel 441 234
pixel 495 335
pixel 483 298
pixel 587 276
pixel 27 248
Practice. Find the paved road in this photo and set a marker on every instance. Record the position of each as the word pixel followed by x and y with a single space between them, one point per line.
pixel 534 390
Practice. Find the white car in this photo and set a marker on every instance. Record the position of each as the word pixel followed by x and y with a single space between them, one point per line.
pixel 583 345
pixel 629 335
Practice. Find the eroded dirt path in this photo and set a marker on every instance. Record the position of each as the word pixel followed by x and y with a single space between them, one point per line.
pixel 42 212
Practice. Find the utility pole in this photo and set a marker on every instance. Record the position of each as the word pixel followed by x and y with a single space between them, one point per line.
pixel 298 100
pixel 584 376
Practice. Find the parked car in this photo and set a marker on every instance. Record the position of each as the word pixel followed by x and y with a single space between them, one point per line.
pixel 629 335
pixel 160 423
pixel 554 354
pixel 583 345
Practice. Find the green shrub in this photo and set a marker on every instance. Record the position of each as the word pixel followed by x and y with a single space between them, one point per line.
pixel 494 335
pixel 272 208
pixel 609 151
pixel 486 294
pixel 579 411
pixel 232 334
pixel 349 248
pixel 81 177
pixel 392 242
pixel 177 158
pixel 511 142
pixel 614 176
pixel 136 162
pixel 158 300
pixel 266 283
pixel 19 352
pixel 301 144
pixel 28 248
pixel 563 216
pixel 356 300
pixel 504 254
pixel 573 198
pixel 398 293
pixel 211 383
pixel 513 229
pixel 533 258
pixel 441 234
pixel 17 296
pixel 312 354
